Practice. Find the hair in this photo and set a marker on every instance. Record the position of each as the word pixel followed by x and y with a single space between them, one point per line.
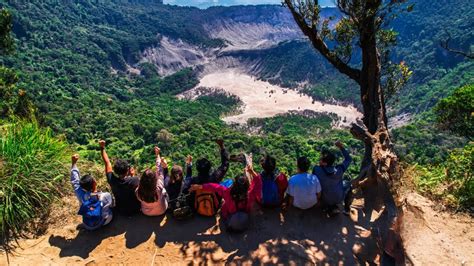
pixel 121 167
pixel 147 188
pixel 303 163
pixel 87 183
pixel 239 189
pixel 176 174
pixel 328 157
pixel 268 164
pixel 203 166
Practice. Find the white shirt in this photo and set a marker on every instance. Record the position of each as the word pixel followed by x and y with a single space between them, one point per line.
pixel 304 188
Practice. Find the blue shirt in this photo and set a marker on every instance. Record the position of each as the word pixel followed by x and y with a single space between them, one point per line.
pixel 330 178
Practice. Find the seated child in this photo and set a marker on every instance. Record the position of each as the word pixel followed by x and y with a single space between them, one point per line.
pixel 122 182
pixel 205 202
pixel 174 183
pixel 238 200
pixel 95 205
pixel 151 191
pixel 304 189
pixel 274 183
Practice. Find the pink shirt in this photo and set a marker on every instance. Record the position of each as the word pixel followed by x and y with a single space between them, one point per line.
pixel 228 205
pixel 158 207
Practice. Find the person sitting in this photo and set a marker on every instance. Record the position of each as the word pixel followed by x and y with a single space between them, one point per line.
pixel 174 183
pixel 95 205
pixel 122 182
pixel 205 202
pixel 304 188
pixel 335 189
pixel 151 191
pixel 274 182
pixel 238 200
pixel 203 167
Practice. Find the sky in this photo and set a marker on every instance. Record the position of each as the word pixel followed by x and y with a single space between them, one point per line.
pixel 207 3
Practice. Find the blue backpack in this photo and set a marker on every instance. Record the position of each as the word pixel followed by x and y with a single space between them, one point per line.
pixel 91 211
pixel 270 195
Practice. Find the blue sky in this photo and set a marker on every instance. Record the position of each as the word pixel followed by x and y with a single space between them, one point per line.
pixel 207 3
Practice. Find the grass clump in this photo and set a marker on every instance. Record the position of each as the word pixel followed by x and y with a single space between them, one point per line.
pixel 31 170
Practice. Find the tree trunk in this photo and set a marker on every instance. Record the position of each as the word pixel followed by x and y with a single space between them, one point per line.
pixel 380 163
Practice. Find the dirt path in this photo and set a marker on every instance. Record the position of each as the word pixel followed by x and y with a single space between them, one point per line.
pixel 262 99
pixel 294 238
pixel 297 237
pixel 436 238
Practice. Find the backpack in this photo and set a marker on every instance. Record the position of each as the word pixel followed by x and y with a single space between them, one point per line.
pixel 270 193
pixel 206 203
pixel 182 211
pixel 91 211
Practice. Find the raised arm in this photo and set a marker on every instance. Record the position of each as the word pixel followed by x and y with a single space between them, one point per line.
pixel 220 172
pixel 75 177
pixel 189 166
pixel 347 158
pixel 105 157
pixel 160 178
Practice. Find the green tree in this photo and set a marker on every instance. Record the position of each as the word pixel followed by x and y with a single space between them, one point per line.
pixel 361 29
pixel 6 40
pixel 456 112
pixel 359 47
pixel 8 77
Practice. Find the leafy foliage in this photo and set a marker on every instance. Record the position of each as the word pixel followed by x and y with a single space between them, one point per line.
pixel 456 112
pixel 451 181
pixel 32 169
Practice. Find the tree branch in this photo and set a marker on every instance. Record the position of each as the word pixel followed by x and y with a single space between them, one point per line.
pixel 360 131
pixel 320 45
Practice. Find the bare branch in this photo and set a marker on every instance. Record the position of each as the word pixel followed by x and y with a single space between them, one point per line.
pixel 359 131
pixel 318 43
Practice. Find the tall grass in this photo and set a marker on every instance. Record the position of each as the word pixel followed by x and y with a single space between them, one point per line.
pixel 31 170
pixel 452 181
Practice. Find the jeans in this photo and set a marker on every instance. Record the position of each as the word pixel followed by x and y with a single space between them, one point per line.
pixel 348 196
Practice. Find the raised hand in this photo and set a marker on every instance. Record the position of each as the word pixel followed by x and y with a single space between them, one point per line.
pixel 102 144
pixel 74 158
pixel 189 159
pixel 220 142
pixel 164 163
pixel 157 151
pixel 131 171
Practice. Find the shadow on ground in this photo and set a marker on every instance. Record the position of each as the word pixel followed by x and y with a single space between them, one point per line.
pixel 274 237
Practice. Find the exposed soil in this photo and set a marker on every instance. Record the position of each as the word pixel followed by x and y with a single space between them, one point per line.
pixel 262 99
pixel 431 238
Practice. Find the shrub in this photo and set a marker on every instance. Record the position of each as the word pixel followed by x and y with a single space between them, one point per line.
pixel 31 169
pixel 451 181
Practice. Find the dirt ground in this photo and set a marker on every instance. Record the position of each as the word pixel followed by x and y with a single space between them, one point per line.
pixel 262 99
pixel 292 238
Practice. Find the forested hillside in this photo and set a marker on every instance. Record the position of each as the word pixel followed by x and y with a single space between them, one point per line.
pixel 73 65
pixel 80 64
